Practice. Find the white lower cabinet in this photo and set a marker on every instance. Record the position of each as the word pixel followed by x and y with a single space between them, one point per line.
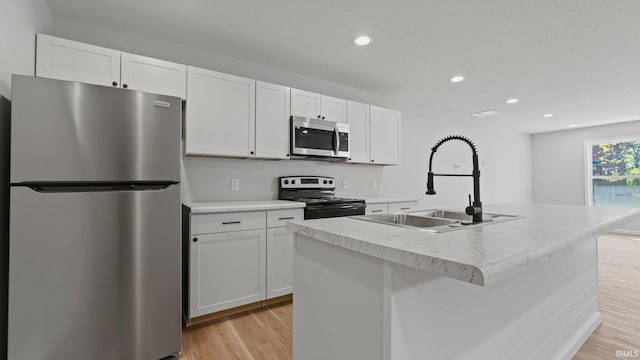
pixel 279 262
pixel 373 209
pixel 403 206
pixel 238 258
pixel 227 270
pixel 391 207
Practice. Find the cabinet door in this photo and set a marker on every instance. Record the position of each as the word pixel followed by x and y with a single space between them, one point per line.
pixel 64 59
pixel 273 110
pixel 220 114
pixel 358 120
pixel 333 109
pixel 304 103
pixel 403 206
pixel 153 75
pixel 279 262
pixel 384 130
pixel 227 270
pixel 373 209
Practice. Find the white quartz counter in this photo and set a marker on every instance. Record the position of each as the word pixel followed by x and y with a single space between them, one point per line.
pixel 385 199
pixel 234 206
pixel 481 255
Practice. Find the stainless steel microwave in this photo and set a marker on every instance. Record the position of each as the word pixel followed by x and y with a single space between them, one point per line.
pixel 316 137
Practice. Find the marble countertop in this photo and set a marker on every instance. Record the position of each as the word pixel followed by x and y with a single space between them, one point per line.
pixel 482 255
pixel 385 199
pixel 234 206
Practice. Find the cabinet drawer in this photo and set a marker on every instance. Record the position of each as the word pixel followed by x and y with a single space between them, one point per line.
pixel 373 209
pixel 403 206
pixel 279 218
pixel 223 222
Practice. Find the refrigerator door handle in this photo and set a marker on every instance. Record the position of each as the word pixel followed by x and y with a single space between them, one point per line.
pixel 69 187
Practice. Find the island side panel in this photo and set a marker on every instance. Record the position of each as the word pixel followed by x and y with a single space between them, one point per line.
pixel 546 313
pixel 339 303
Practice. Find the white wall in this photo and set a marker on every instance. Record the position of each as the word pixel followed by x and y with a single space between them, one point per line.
pixel 559 163
pixel 19 22
pixel 507 155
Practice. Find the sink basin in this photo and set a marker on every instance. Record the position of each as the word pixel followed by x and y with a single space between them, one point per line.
pixel 435 220
pixel 408 220
pixel 459 215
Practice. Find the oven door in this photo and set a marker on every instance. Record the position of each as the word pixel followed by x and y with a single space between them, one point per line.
pixel 312 137
pixel 322 211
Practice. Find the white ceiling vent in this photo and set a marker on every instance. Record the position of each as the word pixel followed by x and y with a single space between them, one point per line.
pixel 485 113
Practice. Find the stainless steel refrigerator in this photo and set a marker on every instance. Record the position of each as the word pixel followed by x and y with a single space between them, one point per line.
pixel 94 234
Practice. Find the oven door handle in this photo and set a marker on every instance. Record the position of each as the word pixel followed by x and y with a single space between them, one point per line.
pixel 336 141
pixel 335 206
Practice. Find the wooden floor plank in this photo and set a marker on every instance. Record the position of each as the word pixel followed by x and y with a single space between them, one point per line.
pixel 266 334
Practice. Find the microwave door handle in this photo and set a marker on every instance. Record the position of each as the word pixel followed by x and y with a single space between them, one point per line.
pixel 336 141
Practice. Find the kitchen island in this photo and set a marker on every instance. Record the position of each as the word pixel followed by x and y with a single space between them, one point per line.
pixel 520 289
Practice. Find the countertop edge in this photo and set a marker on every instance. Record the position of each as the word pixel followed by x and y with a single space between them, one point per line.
pixel 463 272
pixel 233 206
pixel 480 274
pixel 386 199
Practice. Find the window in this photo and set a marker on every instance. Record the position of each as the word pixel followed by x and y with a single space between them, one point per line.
pixel 613 172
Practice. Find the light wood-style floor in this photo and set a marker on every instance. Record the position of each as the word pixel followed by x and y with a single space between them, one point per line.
pixel 267 334
pixel 619 278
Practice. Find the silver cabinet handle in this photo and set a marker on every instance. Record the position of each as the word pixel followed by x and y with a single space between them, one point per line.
pixel 376 211
pixel 230 222
pixel 286 218
pixel 407 208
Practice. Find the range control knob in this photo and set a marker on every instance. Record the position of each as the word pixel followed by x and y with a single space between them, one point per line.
pixel 330 181
pixel 324 181
pixel 286 182
pixel 293 181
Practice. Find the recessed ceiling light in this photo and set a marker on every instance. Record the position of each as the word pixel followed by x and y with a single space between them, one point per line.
pixel 512 101
pixel 457 79
pixel 573 125
pixel 485 113
pixel 362 40
pixel 547 115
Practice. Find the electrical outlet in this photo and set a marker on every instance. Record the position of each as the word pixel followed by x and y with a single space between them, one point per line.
pixel 235 184
pixel 374 184
pixel 346 183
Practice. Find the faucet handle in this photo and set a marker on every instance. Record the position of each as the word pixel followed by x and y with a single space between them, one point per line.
pixel 470 210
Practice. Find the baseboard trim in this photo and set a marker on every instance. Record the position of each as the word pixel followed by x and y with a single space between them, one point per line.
pixel 236 311
pixel 576 342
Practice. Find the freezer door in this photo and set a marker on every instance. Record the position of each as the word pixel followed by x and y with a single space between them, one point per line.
pixel 69 131
pixel 94 275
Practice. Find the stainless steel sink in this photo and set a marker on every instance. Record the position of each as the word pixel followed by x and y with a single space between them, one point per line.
pixel 435 220
pixel 409 220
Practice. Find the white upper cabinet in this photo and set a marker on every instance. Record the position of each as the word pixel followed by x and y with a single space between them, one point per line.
pixel 220 114
pixel 333 109
pixel 305 103
pixel 272 121
pixel 64 59
pixel 384 130
pixel 358 120
pixel 316 106
pixel 153 75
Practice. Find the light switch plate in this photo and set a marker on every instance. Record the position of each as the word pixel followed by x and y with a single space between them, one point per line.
pixel 374 184
pixel 235 184
pixel 346 183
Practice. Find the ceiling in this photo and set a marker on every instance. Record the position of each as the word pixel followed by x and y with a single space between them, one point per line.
pixel 577 59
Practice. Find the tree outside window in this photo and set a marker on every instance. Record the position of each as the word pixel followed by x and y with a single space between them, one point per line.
pixel 614 172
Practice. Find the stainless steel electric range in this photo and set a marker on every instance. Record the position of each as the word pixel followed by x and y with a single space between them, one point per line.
pixel 318 192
